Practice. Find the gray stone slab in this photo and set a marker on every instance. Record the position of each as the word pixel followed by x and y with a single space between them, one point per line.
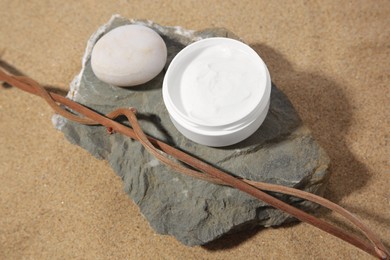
pixel 281 151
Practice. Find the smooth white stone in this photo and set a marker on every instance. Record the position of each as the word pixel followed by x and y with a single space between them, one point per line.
pixel 129 55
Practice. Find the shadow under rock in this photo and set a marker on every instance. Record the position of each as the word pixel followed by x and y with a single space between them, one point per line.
pixel 155 83
pixel 228 241
pixel 236 239
pixel 325 109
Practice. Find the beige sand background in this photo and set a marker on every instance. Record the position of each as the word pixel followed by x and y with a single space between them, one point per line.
pixel 331 58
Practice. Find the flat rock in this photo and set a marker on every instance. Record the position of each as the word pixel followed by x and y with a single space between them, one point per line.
pixel 196 212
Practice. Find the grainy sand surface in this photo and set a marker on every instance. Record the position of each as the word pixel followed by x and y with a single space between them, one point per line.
pixel 331 58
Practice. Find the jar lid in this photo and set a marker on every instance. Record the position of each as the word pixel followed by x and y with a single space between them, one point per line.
pixel 216 85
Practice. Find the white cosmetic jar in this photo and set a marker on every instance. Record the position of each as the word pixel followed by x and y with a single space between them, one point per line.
pixel 217 91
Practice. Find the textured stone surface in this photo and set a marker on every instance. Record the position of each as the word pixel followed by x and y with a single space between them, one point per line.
pixel 196 212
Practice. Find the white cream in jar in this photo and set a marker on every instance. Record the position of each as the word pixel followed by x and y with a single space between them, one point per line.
pixel 217 91
pixel 212 86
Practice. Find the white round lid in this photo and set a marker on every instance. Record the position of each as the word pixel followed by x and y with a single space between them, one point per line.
pixel 216 82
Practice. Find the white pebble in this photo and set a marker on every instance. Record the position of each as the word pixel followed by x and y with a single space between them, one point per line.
pixel 129 55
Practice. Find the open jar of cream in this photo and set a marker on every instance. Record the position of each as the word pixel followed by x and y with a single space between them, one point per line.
pixel 217 91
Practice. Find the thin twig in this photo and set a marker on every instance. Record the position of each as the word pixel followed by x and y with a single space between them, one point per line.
pixel 204 171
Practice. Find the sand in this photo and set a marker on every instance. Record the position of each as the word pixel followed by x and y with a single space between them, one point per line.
pixel 331 58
